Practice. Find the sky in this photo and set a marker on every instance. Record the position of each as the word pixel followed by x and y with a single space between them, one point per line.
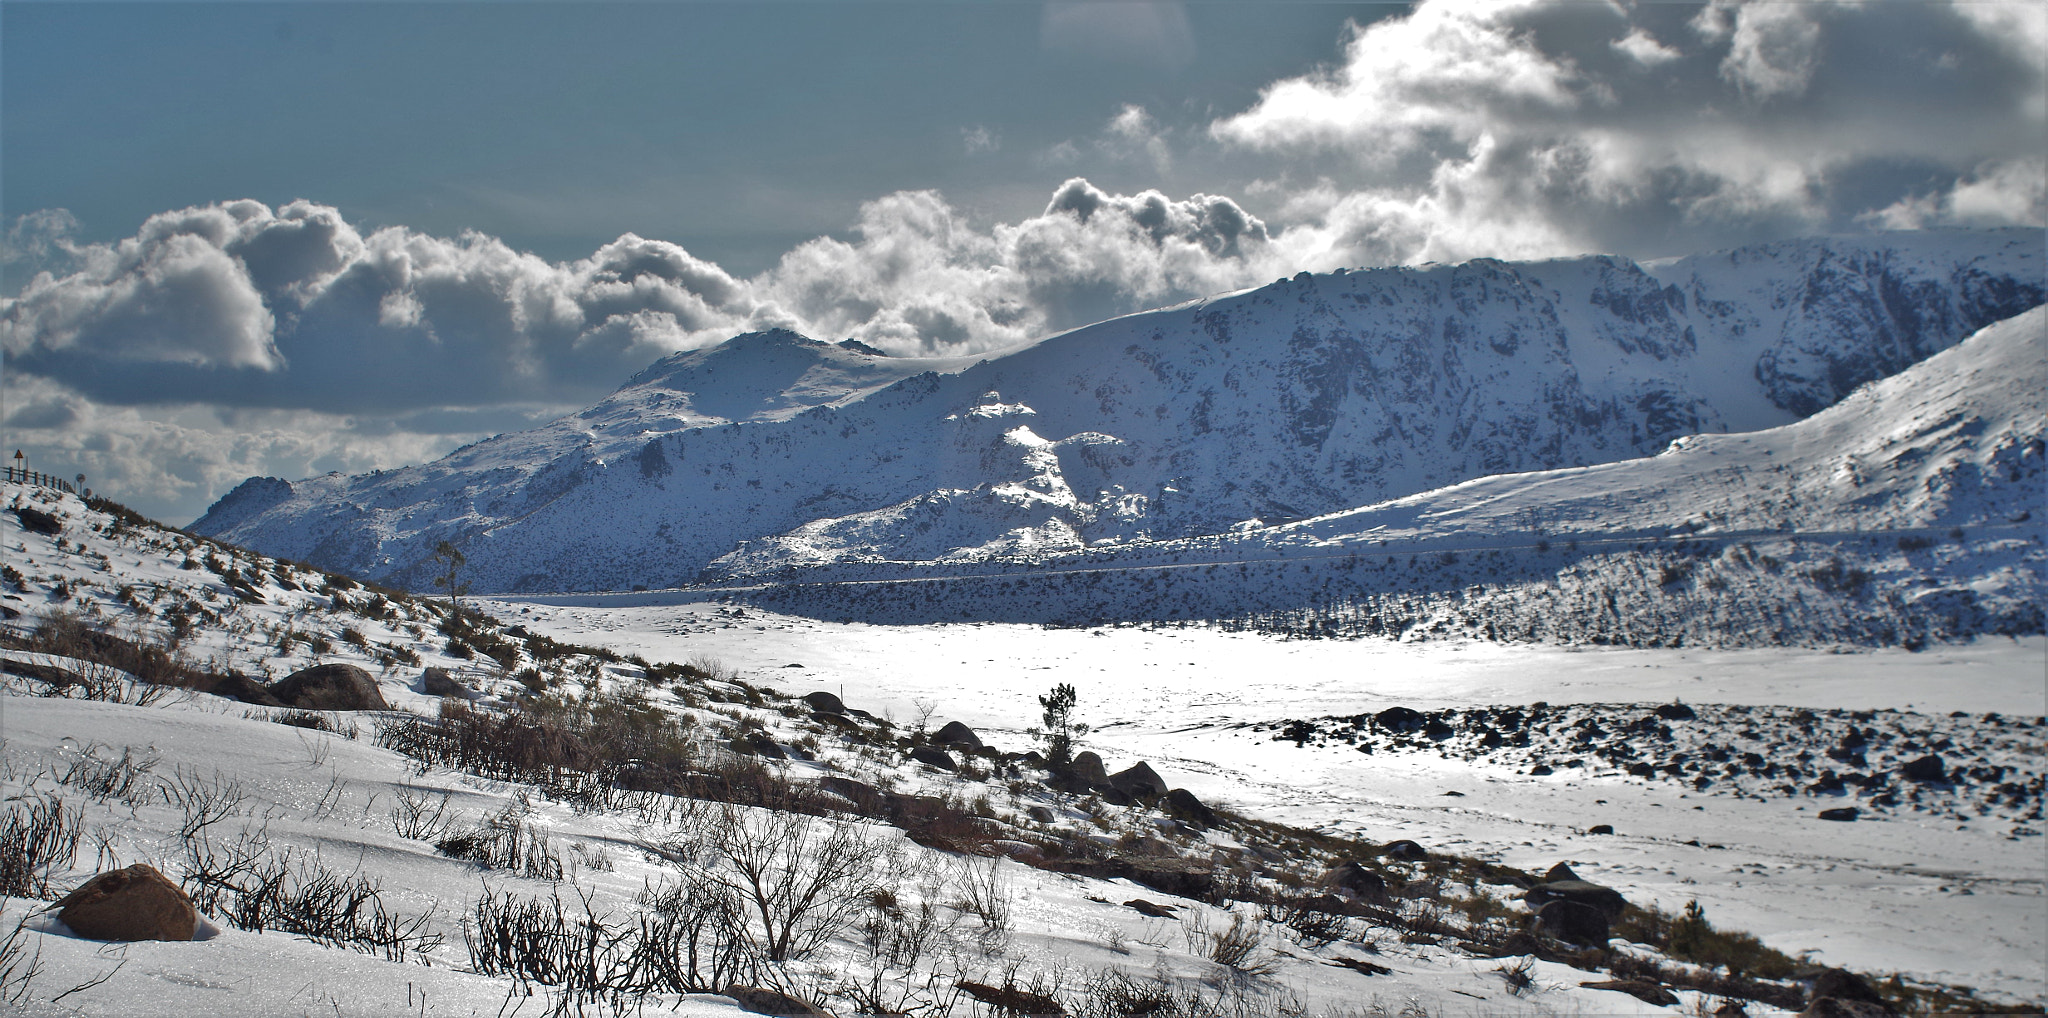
pixel 252 239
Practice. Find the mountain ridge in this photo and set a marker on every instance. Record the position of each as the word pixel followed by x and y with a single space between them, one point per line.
pixel 1312 395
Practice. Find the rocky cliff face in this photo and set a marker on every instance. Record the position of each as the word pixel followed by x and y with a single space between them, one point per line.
pixel 1309 396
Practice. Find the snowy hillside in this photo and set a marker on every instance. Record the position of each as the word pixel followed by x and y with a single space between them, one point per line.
pixel 1306 397
pixel 567 825
pixel 1910 511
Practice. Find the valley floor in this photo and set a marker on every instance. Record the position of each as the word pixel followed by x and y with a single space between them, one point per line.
pixel 1947 896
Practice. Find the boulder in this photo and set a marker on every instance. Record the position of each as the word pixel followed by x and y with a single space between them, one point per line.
pixel 1641 989
pixel 1561 871
pixel 330 687
pixel 1927 770
pixel 1398 719
pixel 1139 781
pixel 1328 904
pixel 825 703
pixel 1009 1000
pixel 1675 712
pixel 1146 908
pixel 1041 814
pixel 1352 877
pixel 1088 767
pixel 1600 829
pixel 1573 922
pixel 957 734
pixel 1842 984
pixel 1835 1007
pixel 933 756
pixel 237 686
pixel 761 1000
pixel 137 903
pixel 437 682
pixel 858 792
pixel 1405 850
pixel 758 745
pixel 1608 900
pixel 1182 803
pixel 1839 813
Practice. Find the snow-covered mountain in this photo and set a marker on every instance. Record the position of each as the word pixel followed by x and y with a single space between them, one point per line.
pixel 1913 510
pixel 1310 396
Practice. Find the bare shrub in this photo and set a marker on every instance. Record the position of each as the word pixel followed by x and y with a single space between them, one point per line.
pixel 419 814
pixel 507 840
pixel 680 942
pixel 37 835
pixel 985 894
pixel 103 778
pixel 298 895
pixel 1314 927
pixel 802 880
pixel 1237 948
pixel 204 801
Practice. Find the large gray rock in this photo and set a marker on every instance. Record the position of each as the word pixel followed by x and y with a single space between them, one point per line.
pixel 761 1000
pixel 241 687
pixel 1355 878
pixel 957 734
pixel 1926 770
pixel 1608 900
pixel 1088 768
pixel 1139 781
pixel 933 756
pixel 438 682
pixel 330 687
pixel 1573 922
pixel 825 703
pixel 1183 804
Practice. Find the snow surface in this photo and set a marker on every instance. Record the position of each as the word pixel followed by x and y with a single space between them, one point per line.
pixel 1967 906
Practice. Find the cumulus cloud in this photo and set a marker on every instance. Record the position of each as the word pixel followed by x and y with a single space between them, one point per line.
pixel 232 339
pixel 174 464
pixel 241 305
pixel 1998 193
pixel 1503 127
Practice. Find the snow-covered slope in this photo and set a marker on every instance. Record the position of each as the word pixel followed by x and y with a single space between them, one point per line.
pixel 1301 398
pixel 1912 510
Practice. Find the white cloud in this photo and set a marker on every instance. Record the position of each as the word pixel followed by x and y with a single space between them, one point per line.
pixel 1998 193
pixel 1772 47
pixel 1643 48
pixel 1476 127
pixel 174 463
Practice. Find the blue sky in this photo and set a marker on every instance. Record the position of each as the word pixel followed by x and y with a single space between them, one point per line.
pixel 289 238
pixel 737 129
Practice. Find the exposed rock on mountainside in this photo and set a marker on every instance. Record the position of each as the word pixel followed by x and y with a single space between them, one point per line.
pixel 1305 397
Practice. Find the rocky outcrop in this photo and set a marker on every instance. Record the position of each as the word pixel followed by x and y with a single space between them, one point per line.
pixel 957 734
pixel 330 687
pixel 1606 899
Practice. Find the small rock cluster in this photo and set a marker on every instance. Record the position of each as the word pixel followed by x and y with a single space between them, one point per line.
pixel 1884 761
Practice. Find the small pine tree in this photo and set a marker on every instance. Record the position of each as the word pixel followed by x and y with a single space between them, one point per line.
pixel 1060 729
pixel 1690 932
pixel 452 560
